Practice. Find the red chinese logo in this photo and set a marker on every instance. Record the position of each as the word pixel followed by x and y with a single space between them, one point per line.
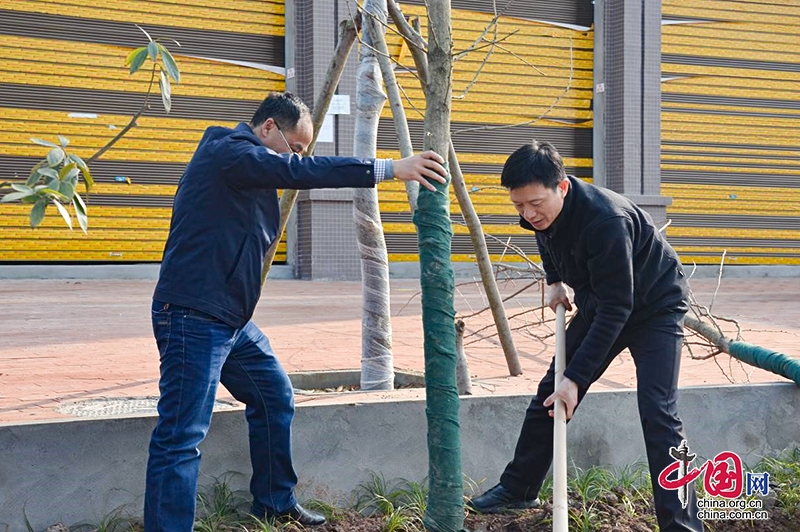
pixel 723 476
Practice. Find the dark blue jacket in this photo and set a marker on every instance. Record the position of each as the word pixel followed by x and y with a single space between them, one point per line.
pixel 620 266
pixel 226 215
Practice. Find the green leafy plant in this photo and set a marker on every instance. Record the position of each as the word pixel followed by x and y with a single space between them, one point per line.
pixel 599 500
pixel 784 471
pixel 402 519
pixel 416 497
pixel 164 66
pixel 220 507
pixel 115 521
pixel 265 525
pixel 55 179
pixel 401 504
pixel 546 491
pixel 583 519
pixel 376 496
pixel 331 512
pixel 591 483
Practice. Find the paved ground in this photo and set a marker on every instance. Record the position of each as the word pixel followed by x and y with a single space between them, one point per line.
pixel 64 341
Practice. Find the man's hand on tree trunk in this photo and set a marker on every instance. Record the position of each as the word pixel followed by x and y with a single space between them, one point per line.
pixel 422 168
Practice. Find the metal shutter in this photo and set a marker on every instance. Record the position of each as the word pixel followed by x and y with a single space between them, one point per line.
pixel 509 91
pixel 95 96
pixel 731 129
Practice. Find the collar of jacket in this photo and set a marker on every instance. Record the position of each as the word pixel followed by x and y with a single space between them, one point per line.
pixel 562 217
pixel 244 131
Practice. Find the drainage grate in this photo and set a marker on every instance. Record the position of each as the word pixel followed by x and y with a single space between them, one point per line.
pixel 120 407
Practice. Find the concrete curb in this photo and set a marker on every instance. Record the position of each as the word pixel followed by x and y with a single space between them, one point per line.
pixel 78 471
pixel 143 272
pixel 397 270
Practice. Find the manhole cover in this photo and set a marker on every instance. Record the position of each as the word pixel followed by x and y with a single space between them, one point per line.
pixel 120 407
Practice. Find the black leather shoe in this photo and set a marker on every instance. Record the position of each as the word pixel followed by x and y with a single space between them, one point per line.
pixel 498 499
pixel 301 516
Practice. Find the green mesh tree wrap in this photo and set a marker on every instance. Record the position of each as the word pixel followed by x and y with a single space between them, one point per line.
pixel 445 512
pixel 767 359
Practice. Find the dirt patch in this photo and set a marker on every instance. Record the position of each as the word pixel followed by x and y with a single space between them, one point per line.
pixel 600 516
pixel 353 522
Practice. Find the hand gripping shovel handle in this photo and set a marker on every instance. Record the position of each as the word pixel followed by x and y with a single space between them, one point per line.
pixel 560 513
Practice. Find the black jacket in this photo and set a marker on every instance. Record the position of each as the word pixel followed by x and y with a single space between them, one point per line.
pixel 620 266
pixel 226 215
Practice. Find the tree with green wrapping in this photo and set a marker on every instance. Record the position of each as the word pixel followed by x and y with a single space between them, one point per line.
pixel 445 511
pixel 760 357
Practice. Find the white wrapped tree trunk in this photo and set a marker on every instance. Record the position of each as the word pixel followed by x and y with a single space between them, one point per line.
pixel 377 365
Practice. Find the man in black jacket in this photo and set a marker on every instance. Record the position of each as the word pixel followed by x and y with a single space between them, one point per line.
pixel 630 291
pixel 224 218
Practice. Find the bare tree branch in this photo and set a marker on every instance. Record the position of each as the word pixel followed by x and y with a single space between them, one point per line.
pixel 522 60
pixel 422 46
pixel 719 281
pixel 417 45
pixel 378 52
pixel 408 99
pixel 396 105
pixel 145 106
pixel 493 24
pixel 535 120
pixel 485 59
pixel 488 43
pixel 512 296
pixel 348 30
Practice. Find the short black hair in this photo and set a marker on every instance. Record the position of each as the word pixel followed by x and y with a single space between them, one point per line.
pixel 283 107
pixel 534 163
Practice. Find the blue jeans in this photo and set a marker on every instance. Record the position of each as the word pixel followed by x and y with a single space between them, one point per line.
pixel 198 352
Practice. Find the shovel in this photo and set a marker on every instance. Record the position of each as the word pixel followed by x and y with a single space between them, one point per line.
pixel 560 514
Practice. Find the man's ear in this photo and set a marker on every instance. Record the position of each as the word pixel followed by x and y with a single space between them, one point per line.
pixel 257 129
pixel 564 186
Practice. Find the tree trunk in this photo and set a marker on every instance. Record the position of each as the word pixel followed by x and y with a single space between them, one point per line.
pixel 463 380
pixel 347 36
pixel 377 367
pixel 484 265
pixel 709 333
pixel 416 43
pixel 395 101
pixel 445 510
pixel 760 357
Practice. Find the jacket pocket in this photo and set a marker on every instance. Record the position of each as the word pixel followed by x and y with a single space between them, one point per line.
pixel 244 281
pixel 237 261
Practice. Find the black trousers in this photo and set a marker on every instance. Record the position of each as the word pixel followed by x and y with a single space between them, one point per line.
pixel 655 345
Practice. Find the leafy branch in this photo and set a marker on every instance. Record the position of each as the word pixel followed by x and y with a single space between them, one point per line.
pixel 55 179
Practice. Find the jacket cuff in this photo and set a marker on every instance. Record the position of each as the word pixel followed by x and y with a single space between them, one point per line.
pixel 384 170
pixel 552 278
pixel 578 379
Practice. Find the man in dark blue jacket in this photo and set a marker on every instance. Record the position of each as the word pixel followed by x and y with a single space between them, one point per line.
pixel 630 291
pixel 224 218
